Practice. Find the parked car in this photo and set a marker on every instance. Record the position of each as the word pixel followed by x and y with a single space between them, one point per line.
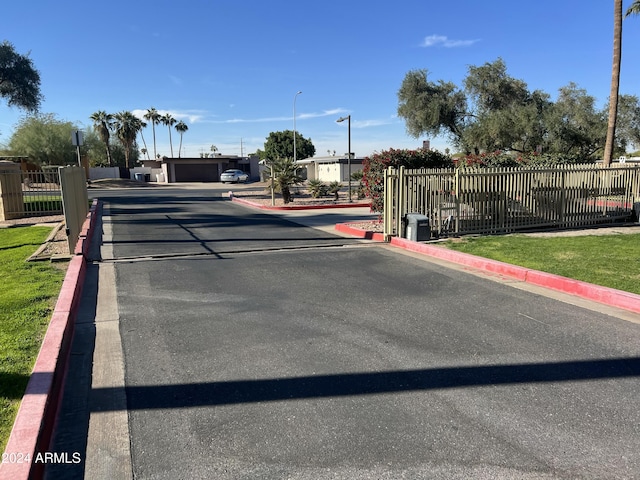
pixel 234 176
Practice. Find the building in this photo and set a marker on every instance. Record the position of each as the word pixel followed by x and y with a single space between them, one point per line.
pixel 206 169
pixel 330 169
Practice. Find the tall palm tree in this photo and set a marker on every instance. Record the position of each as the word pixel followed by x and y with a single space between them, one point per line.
pixel 127 126
pixel 103 123
pixel 154 117
pixel 181 127
pixel 143 125
pixel 615 82
pixel 169 121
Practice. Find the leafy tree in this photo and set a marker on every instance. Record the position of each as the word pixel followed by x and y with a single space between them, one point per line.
pixel 432 108
pixel 285 175
pixel 153 116
pixel 95 151
pixel 44 139
pixel 280 145
pixel 127 126
pixel 103 123
pixel 181 128
pixel 168 121
pixel 575 126
pixel 19 80
pixel 628 124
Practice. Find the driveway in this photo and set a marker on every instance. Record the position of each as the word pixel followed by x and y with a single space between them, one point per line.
pixel 259 348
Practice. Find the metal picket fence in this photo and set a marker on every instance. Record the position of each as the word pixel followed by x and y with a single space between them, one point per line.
pixel 30 194
pixel 502 200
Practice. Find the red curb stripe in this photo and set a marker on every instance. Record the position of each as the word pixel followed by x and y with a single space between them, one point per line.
pixel 34 424
pixel 359 233
pixel 608 296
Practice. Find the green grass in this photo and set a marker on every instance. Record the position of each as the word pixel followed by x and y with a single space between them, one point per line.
pixel 43 204
pixel 609 260
pixel 27 298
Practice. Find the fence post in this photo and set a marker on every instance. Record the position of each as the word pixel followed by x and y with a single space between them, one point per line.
pixel 75 201
pixel 387 209
pixel 457 197
pixel 401 202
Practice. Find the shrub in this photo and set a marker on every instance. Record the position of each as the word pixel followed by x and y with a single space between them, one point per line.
pixel 375 165
pixel 334 188
pixel 316 188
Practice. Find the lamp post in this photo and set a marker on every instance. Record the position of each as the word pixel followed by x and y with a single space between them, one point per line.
pixel 294 125
pixel 342 119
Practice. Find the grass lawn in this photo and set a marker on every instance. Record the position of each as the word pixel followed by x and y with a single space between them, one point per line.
pixel 609 260
pixel 27 297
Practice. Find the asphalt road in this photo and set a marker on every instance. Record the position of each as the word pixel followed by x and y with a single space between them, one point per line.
pixel 256 348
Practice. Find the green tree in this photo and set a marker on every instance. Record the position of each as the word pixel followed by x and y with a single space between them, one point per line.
pixel 44 139
pixel 181 128
pixel 19 79
pixel 127 126
pixel 628 123
pixel 615 83
pixel 168 121
pixel 153 116
pixel 575 126
pixel 280 145
pixel 95 151
pixel 432 108
pixel 103 123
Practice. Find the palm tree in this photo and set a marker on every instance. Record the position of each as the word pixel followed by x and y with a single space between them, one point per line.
pixel 127 126
pixel 181 127
pixel 154 117
pixel 634 8
pixel 615 83
pixel 169 121
pixel 103 123
pixel 145 150
pixel 285 175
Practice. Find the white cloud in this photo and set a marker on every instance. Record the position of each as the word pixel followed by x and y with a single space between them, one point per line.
pixel 193 116
pixel 441 40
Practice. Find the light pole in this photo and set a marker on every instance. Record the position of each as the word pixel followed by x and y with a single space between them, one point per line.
pixel 342 119
pixel 294 125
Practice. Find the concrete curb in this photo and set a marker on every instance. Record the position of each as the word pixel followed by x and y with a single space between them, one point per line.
pixel 34 425
pixel 359 233
pixel 295 207
pixel 605 295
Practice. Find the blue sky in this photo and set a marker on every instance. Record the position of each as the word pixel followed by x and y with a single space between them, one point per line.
pixel 231 68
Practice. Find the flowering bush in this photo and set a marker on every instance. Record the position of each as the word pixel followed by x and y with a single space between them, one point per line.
pixel 375 165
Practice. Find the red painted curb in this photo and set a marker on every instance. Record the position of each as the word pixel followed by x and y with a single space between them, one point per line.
pixel 34 424
pixel 297 207
pixel 359 233
pixel 608 296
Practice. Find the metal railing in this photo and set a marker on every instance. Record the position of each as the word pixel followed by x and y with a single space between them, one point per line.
pixel 30 194
pixel 490 201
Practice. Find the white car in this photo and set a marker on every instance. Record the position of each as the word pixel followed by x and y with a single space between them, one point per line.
pixel 234 176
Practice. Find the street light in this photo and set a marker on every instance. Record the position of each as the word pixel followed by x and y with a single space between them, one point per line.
pixel 294 125
pixel 342 119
